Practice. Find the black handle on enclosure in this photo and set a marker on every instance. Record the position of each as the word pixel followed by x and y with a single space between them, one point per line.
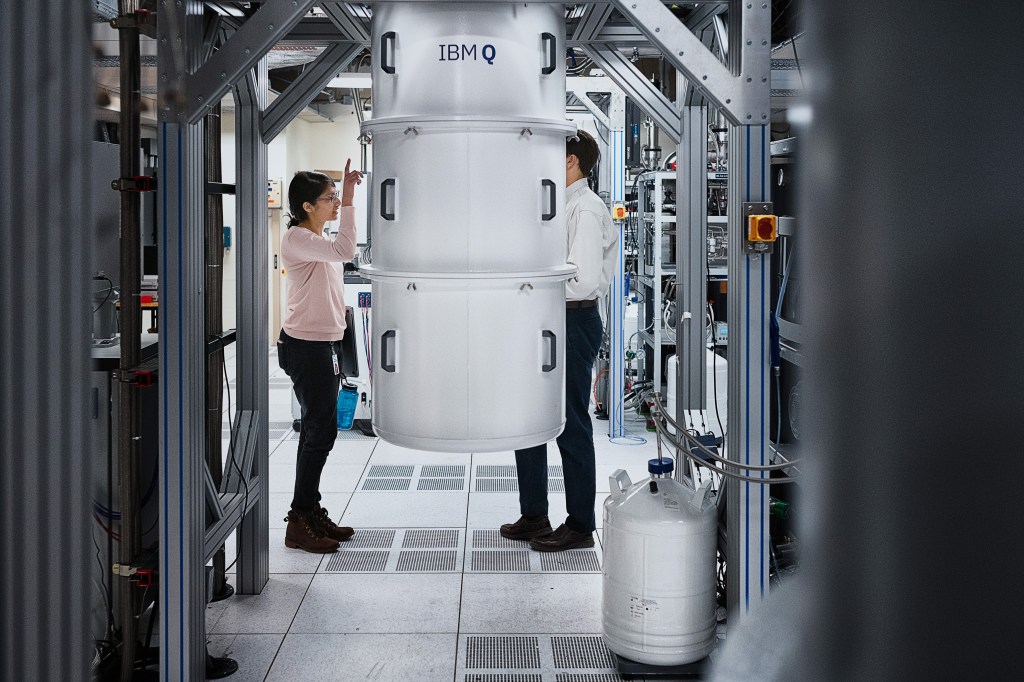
pixel 386 38
pixel 552 197
pixel 550 335
pixel 387 360
pixel 384 213
pixel 549 38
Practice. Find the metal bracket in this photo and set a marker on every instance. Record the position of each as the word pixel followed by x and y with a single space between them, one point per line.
pixel 141 378
pixel 139 183
pixel 742 94
pixel 122 571
pixel 140 19
pixel 755 208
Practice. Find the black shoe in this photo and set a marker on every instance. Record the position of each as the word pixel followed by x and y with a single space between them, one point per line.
pixel 526 528
pixel 563 538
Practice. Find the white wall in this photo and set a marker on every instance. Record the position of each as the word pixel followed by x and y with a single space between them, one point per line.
pixel 302 145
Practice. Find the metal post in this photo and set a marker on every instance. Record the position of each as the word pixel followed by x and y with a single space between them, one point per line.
pixel 180 203
pixel 691 260
pixel 131 326
pixel 46 96
pixel 253 345
pixel 214 259
pixel 747 439
pixel 616 371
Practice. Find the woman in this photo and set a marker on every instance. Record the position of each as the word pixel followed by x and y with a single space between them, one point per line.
pixel 309 348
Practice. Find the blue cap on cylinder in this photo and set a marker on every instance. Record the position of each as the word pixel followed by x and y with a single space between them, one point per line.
pixel 660 466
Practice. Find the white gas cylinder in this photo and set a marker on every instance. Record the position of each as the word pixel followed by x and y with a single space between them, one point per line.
pixel 658 583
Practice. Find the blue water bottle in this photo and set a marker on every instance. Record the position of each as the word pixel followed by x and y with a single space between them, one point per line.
pixel 347 404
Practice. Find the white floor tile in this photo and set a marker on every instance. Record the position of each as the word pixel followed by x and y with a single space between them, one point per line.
pixel 271 611
pixel 377 657
pixel 253 653
pixel 406 510
pixel 384 603
pixel 387 453
pixel 494 458
pixel 282 559
pixel 490 510
pixel 335 478
pixel 527 603
pixel 349 452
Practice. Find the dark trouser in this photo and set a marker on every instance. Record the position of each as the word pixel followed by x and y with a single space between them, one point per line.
pixel 310 364
pixel 583 332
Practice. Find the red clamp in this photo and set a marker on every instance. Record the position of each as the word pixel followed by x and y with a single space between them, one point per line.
pixel 139 183
pixel 144 577
pixel 144 378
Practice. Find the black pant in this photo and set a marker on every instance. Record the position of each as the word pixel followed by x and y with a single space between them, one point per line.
pixel 583 331
pixel 310 364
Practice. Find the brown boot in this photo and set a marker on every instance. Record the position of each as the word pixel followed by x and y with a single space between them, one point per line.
pixel 329 528
pixel 304 533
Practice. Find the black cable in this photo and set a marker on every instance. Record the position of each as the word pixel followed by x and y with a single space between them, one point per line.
pixel 110 289
pixel 231 454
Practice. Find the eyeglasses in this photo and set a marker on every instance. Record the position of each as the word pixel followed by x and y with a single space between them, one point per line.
pixel 333 196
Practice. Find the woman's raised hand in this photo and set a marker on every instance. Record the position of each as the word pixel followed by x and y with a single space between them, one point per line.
pixel 349 182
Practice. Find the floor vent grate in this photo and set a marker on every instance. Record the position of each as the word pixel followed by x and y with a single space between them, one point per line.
pixel 503 677
pixel 377 538
pixel 429 560
pixel 503 653
pixel 501 561
pixel 415 539
pixel 555 471
pixel 556 485
pixel 441 484
pixel 584 677
pixel 581 652
pixel 443 470
pixel 577 561
pixel 386 484
pixel 363 561
pixel 352 434
pixel 391 470
pixel 492 539
pixel 497 485
pixel 496 471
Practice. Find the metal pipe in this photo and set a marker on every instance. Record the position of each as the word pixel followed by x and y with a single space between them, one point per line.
pixel 131 323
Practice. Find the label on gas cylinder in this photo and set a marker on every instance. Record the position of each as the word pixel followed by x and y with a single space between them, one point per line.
pixel 461 52
pixel 671 503
pixel 640 607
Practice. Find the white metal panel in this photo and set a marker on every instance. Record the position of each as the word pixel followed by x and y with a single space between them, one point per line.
pixel 488 58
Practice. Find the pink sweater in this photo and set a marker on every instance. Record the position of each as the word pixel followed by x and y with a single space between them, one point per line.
pixel 314 272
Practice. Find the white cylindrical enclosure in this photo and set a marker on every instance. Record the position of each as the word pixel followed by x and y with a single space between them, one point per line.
pixel 470 364
pixel 658 578
pixel 457 59
pixel 468 195
pixel 467 229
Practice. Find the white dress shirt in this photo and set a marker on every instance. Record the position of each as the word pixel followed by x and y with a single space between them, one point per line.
pixel 593 242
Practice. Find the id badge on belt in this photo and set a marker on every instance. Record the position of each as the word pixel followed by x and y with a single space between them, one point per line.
pixel 337 367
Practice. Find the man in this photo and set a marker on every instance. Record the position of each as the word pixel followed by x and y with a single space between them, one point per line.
pixel 593 246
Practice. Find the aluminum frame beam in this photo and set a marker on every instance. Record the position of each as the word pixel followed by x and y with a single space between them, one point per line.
pixel 252 294
pixel 350 26
pixel 747 441
pixel 209 83
pixel 306 87
pixel 691 260
pixel 591 23
pixel 741 90
pixel 180 208
pixel 618 67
